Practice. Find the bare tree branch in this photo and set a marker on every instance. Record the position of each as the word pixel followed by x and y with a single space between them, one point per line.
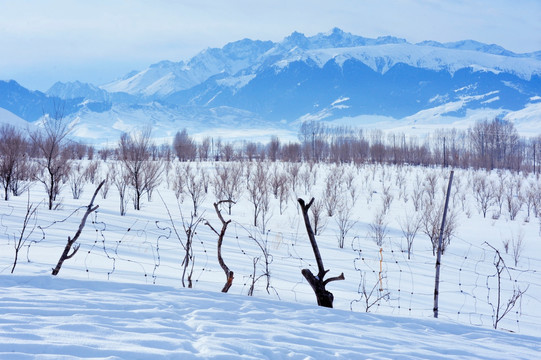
pixel 66 255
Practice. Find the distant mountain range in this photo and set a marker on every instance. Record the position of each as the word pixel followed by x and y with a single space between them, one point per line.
pixel 334 76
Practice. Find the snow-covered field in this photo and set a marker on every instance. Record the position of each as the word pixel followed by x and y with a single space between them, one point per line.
pixel 121 295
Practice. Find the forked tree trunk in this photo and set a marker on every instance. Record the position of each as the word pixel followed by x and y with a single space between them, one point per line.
pixel 324 297
pixel 66 254
pixel 228 273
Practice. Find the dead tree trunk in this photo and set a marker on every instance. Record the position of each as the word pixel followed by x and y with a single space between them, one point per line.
pixel 221 234
pixel 324 297
pixel 66 254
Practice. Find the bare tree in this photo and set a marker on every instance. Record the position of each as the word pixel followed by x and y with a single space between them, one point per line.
pixel 517 246
pixel 26 231
pixel 293 169
pixel 372 295
pixel 134 154
pixel 331 194
pixel 76 179
pixel 513 197
pixel 152 176
pixel 228 152
pixel 378 228
pixel 498 192
pixel 344 222
pixel 430 185
pixel 190 228
pixel 501 308
pixel 227 182
pixel 121 178
pixel 317 210
pixel 12 156
pixel 417 193
pixel 324 297
pixel 410 227
pixel 263 243
pixel 483 193
pixel 274 148
pixel 387 198
pixel 106 186
pixel 204 149
pixel 283 193
pixel 184 146
pixel 193 186
pixel 92 171
pixel 306 179
pixel 258 191
pixel 431 225
pixel 53 162
pixel 71 241
pixel 251 151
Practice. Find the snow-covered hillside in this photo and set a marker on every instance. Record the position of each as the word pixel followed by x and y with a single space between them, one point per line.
pixel 122 296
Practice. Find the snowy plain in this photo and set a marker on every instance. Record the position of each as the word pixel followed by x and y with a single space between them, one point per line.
pixel 121 295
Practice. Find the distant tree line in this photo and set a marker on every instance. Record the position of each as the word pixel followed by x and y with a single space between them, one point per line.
pixel 47 155
pixel 487 144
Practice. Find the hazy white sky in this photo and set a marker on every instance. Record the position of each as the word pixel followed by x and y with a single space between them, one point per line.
pixel 42 42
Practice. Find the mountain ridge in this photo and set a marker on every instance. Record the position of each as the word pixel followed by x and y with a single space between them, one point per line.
pixel 303 77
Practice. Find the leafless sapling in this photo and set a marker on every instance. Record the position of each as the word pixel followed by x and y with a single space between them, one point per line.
pixel 193 186
pixel 344 221
pixel 71 241
pixel 153 171
pixel 76 180
pixel 483 193
pixel 378 228
pixel 120 177
pixel 410 227
pixel 227 182
pixel 92 171
pixel 258 191
pixel 431 222
pixel 502 308
pixel 23 237
pixel 331 193
pixel 318 216
pixel 324 297
pixel 371 295
pixel 265 258
pixel 189 227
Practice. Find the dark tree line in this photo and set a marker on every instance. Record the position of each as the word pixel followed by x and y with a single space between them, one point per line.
pixel 493 144
pixel 46 155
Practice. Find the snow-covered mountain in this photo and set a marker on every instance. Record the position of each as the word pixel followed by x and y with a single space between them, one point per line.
pixel 77 89
pixel 329 76
pixel 381 54
pixel 303 77
pixel 166 77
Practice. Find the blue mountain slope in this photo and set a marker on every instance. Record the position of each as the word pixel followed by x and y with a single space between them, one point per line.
pixel 303 87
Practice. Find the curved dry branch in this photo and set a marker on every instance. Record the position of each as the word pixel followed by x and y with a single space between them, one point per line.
pixel 66 253
pixel 228 273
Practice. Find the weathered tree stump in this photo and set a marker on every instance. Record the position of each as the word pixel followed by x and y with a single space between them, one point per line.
pixel 324 297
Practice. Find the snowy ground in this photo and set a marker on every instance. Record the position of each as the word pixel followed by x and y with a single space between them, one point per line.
pixel 121 295
pixel 49 318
